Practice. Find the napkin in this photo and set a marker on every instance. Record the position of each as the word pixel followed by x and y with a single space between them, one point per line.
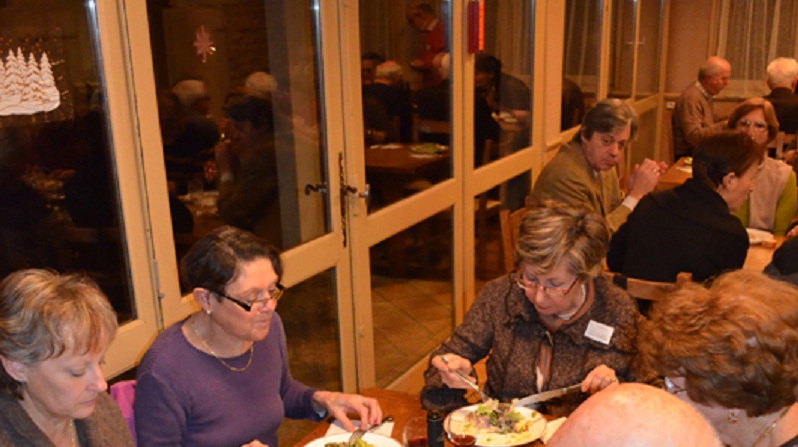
pixel 336 427
pixel 551 427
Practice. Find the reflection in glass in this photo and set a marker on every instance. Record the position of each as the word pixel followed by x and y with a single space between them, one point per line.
pixel 245 135
pixel 405 68
pixel 412 295
pixel 313 354
pixel 503 74
pixel 58 191
pixel 580 57
pixel 622 49
pixel 648 49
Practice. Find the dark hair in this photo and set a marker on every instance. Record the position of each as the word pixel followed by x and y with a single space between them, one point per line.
pixel 372 56
pixel 486 63
pixel 257 111
pixel 724 152
pixel 212 262
pixel 606 116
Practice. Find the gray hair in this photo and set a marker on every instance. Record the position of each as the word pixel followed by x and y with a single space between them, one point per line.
pixel 389 70
pixel 607 115
pixel 712 67
pixel 555 233
pixel 782 71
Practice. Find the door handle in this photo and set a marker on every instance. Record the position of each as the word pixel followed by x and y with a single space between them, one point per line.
pixel 318 187
pixel 366 194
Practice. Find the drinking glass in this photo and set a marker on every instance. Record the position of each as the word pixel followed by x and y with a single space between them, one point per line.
pixel 415 432
pixel 458 432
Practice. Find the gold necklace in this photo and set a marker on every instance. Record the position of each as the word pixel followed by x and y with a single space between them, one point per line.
pixel 227 365
pixel 770 427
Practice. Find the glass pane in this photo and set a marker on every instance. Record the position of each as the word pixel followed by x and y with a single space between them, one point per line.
pixel 580 60
pixel 503 74
pixel 488 249
pixel 648 49
pixel 241 117
pixel 411 295
pixel 58 189
pixel 313 354
pixel 644 144
pixel 622 48
pixel 406 96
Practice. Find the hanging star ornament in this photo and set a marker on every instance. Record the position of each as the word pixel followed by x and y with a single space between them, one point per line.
pixel 203 44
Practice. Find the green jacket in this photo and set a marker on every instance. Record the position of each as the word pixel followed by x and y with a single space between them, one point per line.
pixel 568 178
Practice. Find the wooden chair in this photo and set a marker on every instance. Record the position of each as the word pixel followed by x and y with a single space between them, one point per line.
pixel 647 290
pixel 509 222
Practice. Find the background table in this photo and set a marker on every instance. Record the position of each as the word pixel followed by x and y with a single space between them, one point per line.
pixel 675 175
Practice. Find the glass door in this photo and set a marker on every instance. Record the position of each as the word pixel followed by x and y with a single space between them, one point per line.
pixel 243 137
pixel 67 161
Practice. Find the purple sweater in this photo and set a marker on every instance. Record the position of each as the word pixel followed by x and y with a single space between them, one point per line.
pixel 185 397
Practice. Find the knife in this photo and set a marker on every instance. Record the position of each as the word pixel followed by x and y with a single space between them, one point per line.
pixel 546 395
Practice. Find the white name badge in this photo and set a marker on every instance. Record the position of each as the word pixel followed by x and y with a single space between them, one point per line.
pixel 599 332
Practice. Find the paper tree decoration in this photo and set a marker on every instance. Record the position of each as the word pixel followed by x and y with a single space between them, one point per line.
pixel 27 87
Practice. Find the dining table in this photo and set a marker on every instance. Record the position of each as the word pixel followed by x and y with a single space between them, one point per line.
pixel 401 405
pixel 676 174
pixel 760 254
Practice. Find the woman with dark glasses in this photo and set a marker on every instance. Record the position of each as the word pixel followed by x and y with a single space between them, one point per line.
pixel 220 377
pixel 551 323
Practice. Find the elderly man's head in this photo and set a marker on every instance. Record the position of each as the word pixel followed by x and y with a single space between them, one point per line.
pixel 714 74
pixel 635 415
pixel 782 72
pixel 389 72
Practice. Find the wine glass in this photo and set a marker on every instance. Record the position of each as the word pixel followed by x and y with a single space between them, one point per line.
pixel 458 431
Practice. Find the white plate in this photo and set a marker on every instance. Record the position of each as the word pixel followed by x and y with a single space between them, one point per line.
pixel 756 237
pixel 496 439
pixel 371 438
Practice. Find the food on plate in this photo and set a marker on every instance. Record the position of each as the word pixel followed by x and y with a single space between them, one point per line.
pixel 496 417
pixel 428 148
pixel 358 443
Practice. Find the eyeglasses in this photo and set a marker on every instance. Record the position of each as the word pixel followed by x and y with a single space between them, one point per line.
pixel 672 387
pixel 759 126
pixel 274 294
pixel 533 285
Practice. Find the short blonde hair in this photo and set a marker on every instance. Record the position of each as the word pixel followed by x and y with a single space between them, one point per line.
pixel 44 314
pixel 735 343
pixel 555 232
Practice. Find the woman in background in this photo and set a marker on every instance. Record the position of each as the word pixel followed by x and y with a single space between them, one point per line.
pixel 772 204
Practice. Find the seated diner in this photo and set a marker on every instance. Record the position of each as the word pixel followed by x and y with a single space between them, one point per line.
pixel 220 377
pixel 551 323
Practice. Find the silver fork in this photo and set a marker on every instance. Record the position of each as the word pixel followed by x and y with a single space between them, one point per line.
pixel 467 381
pixel 357 434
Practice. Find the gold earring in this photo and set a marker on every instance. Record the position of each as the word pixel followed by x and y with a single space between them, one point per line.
pixel 733 416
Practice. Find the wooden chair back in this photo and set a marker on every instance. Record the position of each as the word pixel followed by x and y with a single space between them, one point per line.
pixel 509 222
pixel 647 290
